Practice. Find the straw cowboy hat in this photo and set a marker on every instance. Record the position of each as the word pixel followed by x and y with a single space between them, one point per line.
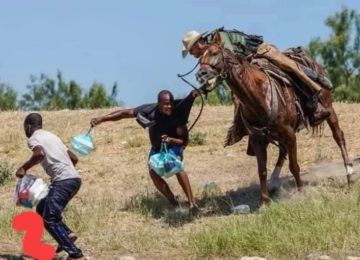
pixel 190 38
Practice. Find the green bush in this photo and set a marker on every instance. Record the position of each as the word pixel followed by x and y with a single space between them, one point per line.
pixel 197 138
pixel 5 173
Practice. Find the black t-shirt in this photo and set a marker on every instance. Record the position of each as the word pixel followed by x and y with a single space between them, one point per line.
pixel 163 124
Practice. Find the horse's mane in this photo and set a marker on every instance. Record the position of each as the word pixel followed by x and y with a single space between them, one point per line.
pixel 251 74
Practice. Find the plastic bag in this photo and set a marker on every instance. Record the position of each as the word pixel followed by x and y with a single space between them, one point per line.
pixel 165 163
pixel 83 144
pixel 30 190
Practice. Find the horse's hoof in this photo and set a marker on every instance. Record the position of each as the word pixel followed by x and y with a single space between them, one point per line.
pixel 273 185
pixel 262 208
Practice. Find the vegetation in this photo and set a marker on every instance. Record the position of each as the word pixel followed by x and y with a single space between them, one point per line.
pixel 131 218
pixel 5 173
pixel 340 54
pixel 197 138
pixel 119 199
pixel 7 97
pixel 323 222
pixel 45 93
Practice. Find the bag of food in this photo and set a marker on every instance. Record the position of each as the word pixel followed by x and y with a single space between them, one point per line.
pixel 30 190
pixel 83 143
pixel 165 163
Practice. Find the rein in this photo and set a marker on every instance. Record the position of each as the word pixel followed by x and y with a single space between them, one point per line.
pixel 182 76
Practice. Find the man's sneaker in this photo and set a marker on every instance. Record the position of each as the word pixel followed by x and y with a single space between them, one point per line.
pixel 59 248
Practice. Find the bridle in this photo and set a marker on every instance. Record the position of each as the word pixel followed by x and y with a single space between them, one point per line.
pixel 204 76
pixel 204 80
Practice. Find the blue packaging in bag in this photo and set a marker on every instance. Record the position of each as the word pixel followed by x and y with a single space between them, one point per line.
pixel 165 163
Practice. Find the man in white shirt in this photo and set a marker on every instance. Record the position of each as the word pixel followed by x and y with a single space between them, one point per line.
pixel 59 163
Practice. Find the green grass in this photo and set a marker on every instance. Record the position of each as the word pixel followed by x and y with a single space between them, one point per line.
pixel 5 172
pixel 328 223
pixel 197 138
pixel 6 216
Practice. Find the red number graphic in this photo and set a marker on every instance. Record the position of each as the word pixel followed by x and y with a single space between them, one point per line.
pixel 33 225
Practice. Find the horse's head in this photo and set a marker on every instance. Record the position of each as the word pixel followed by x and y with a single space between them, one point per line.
pixel 212 64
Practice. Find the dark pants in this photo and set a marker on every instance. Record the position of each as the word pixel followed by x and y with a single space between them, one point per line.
pixel 51 207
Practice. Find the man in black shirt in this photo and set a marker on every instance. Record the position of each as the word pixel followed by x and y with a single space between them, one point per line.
pixel 167 121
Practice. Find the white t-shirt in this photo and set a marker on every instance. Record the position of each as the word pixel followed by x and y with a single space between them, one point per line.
pixel 56 163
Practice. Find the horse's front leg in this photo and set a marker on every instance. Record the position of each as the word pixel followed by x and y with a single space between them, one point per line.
pixel 338 135
pixel 259 145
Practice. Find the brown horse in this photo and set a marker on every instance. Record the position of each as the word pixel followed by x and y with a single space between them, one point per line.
pixel 268 108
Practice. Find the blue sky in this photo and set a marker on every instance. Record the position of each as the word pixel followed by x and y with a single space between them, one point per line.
pixel 138 43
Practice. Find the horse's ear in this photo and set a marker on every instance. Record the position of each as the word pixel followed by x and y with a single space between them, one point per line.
pixel 217 38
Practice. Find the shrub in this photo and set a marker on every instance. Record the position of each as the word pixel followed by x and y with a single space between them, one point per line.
pixel 197 138
pixel 5 172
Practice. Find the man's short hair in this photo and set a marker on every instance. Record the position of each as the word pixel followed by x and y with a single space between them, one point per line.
pixel 33 119
pixel 165 92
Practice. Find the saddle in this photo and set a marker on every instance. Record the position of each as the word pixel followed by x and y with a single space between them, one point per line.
pixel 237 130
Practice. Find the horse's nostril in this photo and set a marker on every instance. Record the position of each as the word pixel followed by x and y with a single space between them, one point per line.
pixel 201 73
pixel 202 76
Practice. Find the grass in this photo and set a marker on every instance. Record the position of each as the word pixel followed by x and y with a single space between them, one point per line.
pixel 6 172
pixel 325 221
pixel 197 138
pixel 6 216
pixel 118 212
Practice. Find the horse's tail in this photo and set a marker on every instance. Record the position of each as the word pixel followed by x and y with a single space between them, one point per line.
pixel 318 130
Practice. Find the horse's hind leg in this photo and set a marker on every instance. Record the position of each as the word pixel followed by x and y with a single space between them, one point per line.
pixel 274 182
pixel 338 135
pixel 292 151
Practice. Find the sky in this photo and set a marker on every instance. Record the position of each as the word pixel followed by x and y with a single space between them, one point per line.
pixel 138 43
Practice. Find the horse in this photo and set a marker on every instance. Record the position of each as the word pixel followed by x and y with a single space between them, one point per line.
pixel 268 108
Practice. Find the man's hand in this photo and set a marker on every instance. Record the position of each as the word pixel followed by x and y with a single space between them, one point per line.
pixel 166 139
pixel 96 121
pixel 196 93
pixel 20 173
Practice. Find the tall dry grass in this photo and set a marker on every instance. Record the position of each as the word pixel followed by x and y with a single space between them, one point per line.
pixel 118 212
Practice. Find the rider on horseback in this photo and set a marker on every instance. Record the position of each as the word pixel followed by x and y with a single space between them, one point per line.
pixel 252 46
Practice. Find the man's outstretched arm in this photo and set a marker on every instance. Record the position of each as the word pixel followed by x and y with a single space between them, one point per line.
pixel 114 116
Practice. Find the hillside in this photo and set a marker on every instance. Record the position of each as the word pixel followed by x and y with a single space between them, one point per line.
pixel 117 211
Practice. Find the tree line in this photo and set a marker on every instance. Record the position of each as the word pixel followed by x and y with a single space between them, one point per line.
pixel 45 93
pixel 339 55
